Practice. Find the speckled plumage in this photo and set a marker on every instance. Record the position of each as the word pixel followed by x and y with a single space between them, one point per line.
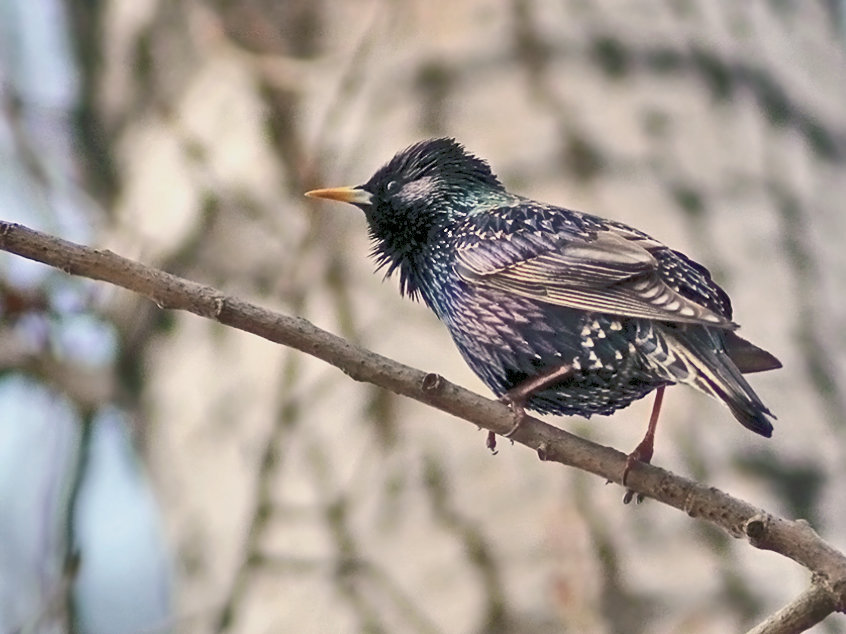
pixel 524 286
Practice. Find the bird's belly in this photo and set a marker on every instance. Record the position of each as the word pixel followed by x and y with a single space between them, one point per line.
pixel 506 340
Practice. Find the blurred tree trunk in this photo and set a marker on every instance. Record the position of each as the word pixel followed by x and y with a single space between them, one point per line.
pixel 297 501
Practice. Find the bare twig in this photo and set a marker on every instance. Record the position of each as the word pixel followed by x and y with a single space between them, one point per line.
pixel 801 614
pixel 793 539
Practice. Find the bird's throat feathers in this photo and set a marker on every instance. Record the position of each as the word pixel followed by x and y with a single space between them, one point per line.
pixel 403 244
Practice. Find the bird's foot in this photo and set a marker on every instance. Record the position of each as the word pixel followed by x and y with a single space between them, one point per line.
pixel 490 443
pixel 641 454
pixel 517 397
pixel 516 404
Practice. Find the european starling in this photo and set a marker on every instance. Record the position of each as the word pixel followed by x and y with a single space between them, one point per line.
pixel 556 310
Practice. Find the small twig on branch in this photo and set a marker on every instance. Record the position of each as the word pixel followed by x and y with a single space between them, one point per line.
pixel 793 539
pixel 801 614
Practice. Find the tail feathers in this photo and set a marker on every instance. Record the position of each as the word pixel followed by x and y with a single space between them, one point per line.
pixel 747 356
pixel 715 373
pixel 746 407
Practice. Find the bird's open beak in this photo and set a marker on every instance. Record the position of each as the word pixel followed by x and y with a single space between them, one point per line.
pixel 352 195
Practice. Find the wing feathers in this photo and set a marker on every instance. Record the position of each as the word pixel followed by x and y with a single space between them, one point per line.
pixel 609 273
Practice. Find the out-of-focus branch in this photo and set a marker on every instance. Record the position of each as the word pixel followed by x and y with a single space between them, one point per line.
pixel 793 539
pixel 801 614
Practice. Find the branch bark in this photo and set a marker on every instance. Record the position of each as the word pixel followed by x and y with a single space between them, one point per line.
pixel 801 614
pixel 793 539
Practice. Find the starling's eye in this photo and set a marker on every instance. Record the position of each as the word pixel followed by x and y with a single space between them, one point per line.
pixel 392 186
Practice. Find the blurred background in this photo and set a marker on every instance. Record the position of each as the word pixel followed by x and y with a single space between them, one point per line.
pixel 160 472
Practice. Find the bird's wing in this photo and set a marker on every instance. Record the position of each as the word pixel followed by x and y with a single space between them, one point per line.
pixel 607 271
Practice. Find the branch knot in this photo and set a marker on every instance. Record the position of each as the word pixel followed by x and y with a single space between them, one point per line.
pixel 756 529
pixel 432 383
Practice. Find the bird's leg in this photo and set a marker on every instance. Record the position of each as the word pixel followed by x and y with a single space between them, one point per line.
pixel 643 452
pixel 517 396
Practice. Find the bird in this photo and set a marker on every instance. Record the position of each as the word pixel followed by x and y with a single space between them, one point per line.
pixel 557 311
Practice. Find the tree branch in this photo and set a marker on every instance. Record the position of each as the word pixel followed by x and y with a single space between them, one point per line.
pixel 801 614
pixel 793 539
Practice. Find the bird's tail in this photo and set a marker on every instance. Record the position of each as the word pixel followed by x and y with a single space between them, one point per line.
pixel 746 356
pixel 710 369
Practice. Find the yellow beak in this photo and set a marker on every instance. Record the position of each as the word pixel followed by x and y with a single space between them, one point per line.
pixel 352 195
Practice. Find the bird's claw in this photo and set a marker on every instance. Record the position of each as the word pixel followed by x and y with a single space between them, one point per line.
pixel 641 454
pixel 517 410
pixel 519 416
pixel 630 495
pixel 490 443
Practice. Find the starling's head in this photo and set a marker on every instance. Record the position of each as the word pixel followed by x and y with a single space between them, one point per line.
pixel 411 198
